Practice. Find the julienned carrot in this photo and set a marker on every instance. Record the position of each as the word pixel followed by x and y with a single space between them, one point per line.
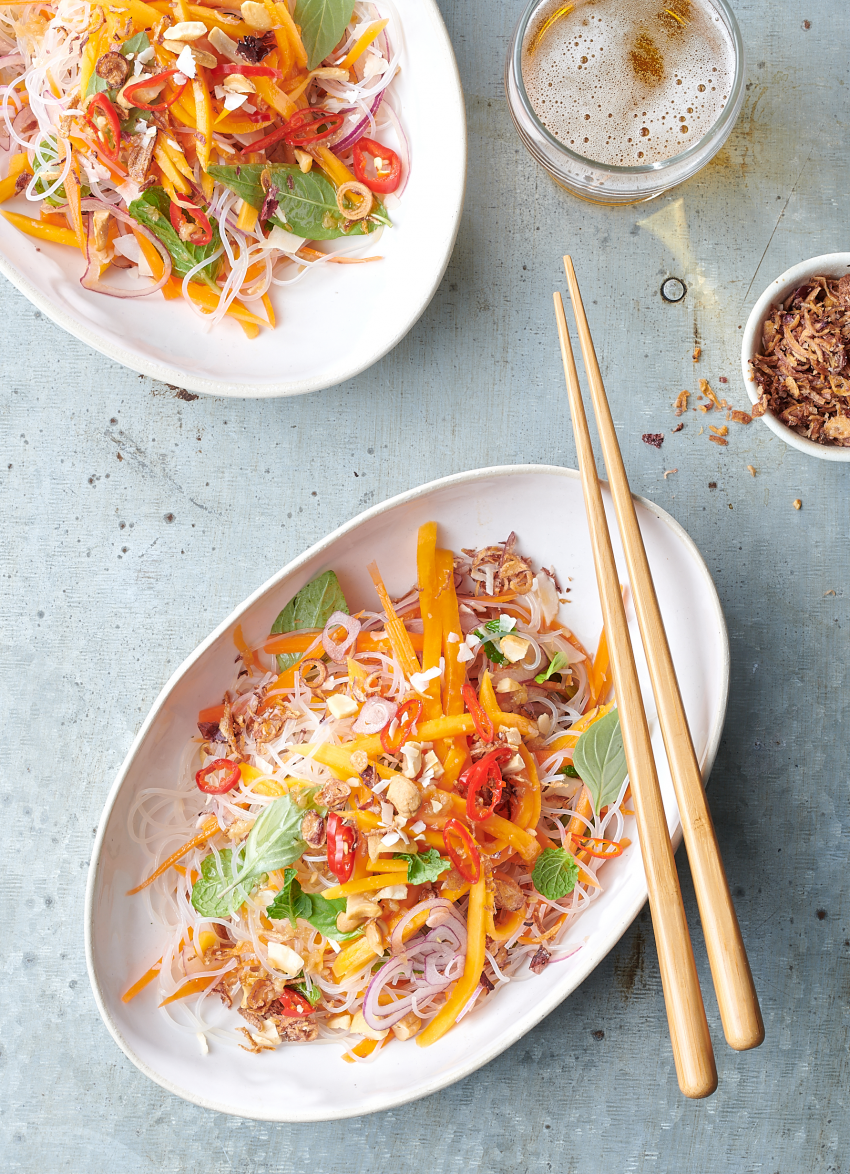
pixel 308 254
pixel 528 813
pixel 203 115
pixel 584 807
pixel 599 668
pixel 213 713
pixel 469 980
pixel 399 636
pixel 45 232
pixel 140 985
pixel 365 1048
pixel 302 640
pixel 193 987
pixel 241 643
pixel 362 43
pixel 528 940
pixel 208 829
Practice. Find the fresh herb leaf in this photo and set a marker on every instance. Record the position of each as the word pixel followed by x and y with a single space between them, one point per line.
pixel 490 649
pixel 290 903
pixel 213 893
pixel 503 626
pixel 423 867
pixel 306 203
pixel 312 607
pixel 152 210
pixel 600 760
pixel 570 771
pixel 96 85
pixel 275 839
pixel 136 44
pixel 322 24
pixel 555 873
pixel 323 915
pixel 308 989
pixel 557 664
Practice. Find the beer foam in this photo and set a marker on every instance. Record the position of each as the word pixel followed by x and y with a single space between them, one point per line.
pixel 628 82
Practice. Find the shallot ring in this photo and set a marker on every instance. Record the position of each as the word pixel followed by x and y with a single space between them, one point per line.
pixel 361 210
pixel 313 664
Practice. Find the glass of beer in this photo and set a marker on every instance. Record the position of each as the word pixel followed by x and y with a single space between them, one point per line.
pixel 622 99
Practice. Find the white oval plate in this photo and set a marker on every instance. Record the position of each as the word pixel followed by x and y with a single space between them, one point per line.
pixel 334 323
pixel 311 1083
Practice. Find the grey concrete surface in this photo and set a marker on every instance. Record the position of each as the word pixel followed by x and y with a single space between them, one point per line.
pixel 115 568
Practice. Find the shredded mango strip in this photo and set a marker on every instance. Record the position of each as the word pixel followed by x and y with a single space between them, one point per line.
pixel 583 723
pixel 519 839
pixel 388 866
pixel 241 643
pixel 599 669
pixel 334 168
pixel 365 1048
pixel 193 987
pixel 146 978
pixel 274 96
pixel 584 807
pixel 45 232
pixel 399 636
pixel 508 926
pixel 17 165
pixel 209 828
pixel 528 814
pixel 247 218
pixel 171 289
pixel 362 43
pixel 167 167
pixel 368 884
pixel 203 113
pixel 490 704
pixel 465 986
pixel 282 12
pixel 145 16
pixel 440 727
pixel 426 565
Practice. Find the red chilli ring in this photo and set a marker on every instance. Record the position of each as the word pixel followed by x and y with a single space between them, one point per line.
pixel 230 780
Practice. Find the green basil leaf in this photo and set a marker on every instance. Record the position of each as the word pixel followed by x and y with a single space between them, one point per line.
pixel 322 24
pixel 136 44
pixel 421 868
pixel 323 915
pixel 557 664
pixel 570 771
pixel 555 873
pixel 96 85
pixel 306 202
pixel 290 903
pixel 152 210
pixel 214 893
pixel 491 651
pixel 312 607
pixel 600 760
pixel 275 839
pixel 308 989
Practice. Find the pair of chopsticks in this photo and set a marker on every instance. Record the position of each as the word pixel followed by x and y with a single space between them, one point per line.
pixel 730 969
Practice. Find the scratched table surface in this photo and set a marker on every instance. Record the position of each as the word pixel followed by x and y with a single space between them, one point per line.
pixel 136 516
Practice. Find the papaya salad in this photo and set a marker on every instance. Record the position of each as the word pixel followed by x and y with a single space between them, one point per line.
pixel 208 149
pixel 388 816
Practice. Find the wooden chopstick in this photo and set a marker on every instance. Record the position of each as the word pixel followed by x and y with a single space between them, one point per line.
pixel 689 1034
pixel 730 968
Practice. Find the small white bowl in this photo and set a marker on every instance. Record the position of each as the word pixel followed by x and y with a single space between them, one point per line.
pixel 830 265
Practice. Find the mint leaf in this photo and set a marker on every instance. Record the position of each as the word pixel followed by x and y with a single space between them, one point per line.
pixel 136 44
pixel 557 664
pixel 322 24
pixel 152 210
pixel 312 607
pixel 555 873
pixel 213 893
pixel 290 903
pixel 490 649
pixel 600 760
pixel 306 202
pixel 503 626
pixel 570 771
pixel 96 85
pixel 423 867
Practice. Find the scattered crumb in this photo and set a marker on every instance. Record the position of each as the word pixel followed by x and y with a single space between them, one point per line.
pixel 667 473
pixel 678 428
pixel 712 485
pixel 708 393
pixel 742 417
pixel 721 431
pixel 731 506
pixel 807 24
pixel 681 404
pixel 718 439
pixel 798 505
pixel 722 379
pixel 656 439
pixel 830 592
pixel 723 404
pixel 705 407
pixel 728 415
pixel 700 432
pixel 752 470
pixel 697 353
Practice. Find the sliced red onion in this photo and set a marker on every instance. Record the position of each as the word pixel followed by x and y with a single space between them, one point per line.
pixel 449 932
pixel 374 715
pixel 359 129
pixel 380 1017
pixel 338 652
pixel 91 277
pixel 403 148
pixel 397 940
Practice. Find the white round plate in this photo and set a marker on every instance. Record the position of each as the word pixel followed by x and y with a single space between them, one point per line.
pixel 311 1083
pixel 829 265
pixel 335 322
